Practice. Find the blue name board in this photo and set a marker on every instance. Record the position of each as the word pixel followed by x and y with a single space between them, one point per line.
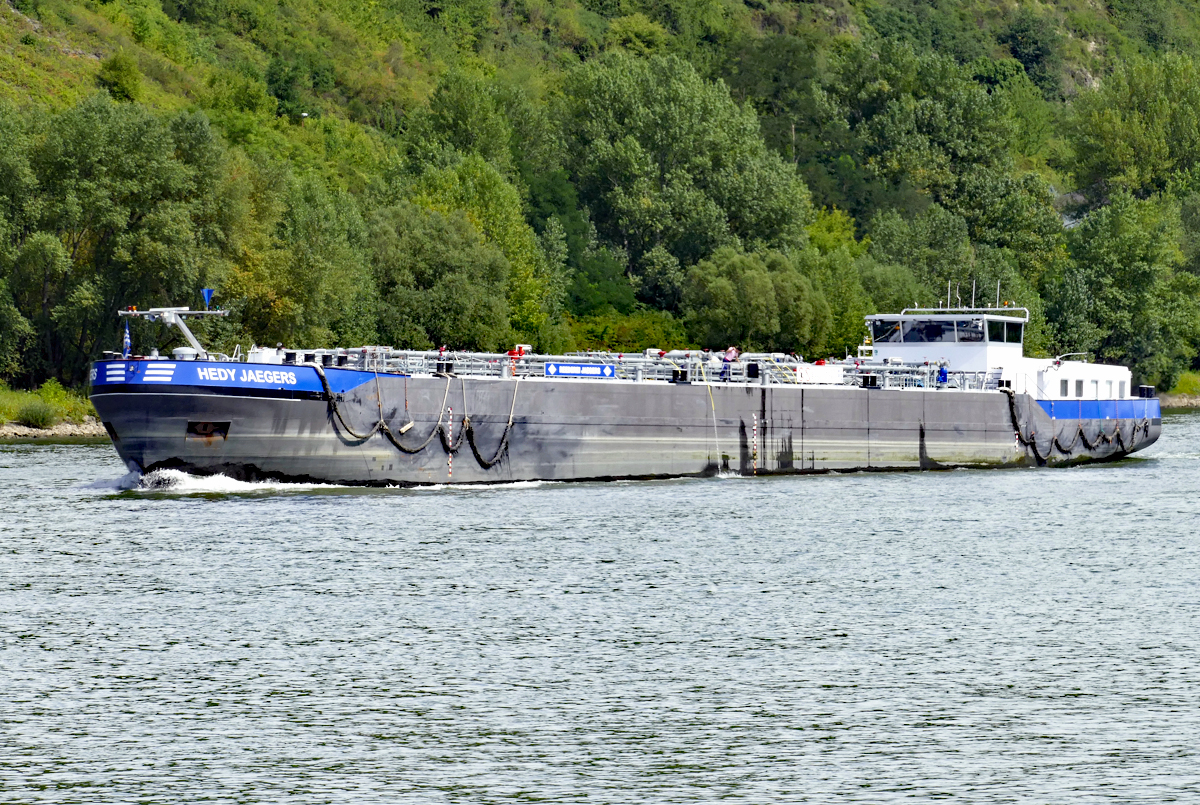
pixel 595 371
pixel 224 375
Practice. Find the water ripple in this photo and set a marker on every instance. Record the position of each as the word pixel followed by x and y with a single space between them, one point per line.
pixel 991 636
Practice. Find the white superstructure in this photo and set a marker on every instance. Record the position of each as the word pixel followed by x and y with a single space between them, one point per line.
pixel 990 341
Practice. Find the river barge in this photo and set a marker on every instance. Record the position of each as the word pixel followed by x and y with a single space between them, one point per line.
pixel 931 389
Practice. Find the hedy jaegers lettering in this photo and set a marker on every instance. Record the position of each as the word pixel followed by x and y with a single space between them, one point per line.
pixel 247 375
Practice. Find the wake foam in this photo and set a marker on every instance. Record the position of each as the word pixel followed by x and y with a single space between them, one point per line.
pixel 473 487
pixel 126 482
pixel 178 482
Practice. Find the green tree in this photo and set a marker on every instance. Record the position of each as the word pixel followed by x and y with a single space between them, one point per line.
pixel 600 282
pixel 936 248
pixel 890 287
pixel 943 26
pixel 756 301
pixel 439 281
pixel 474 187
pixel 634 332
pixel 1034 118
pixel 121 76
pixel 1141 126
pixel 321 266
pixel 1013 213
pixel 1123 298
pixel 779 76
pixel 125 208
pixel 465 114
pixel 893 129
pixel 15 332
pixel 636 33
pixel 731 300
pixel 836 277
pixel 1033 41
pixel 665 159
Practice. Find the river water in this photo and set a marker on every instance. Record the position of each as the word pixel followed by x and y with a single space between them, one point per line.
pixel 1003 636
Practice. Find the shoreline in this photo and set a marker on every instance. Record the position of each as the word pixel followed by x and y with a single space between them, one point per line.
pixel 1179 400
pixel 90 428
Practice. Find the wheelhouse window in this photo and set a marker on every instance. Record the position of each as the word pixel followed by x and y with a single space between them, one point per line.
pixel 883 331
pixel 970 330
pixel 1079 388
pixel 933 331
pixel 928 331
pixel 1005 332
pixel 1063 388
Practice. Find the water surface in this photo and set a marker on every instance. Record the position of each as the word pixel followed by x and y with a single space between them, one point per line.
pixel 1002 636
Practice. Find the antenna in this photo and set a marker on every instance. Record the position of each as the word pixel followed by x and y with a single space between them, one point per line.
pixel 972 292
pixel 947 293
pixel 997 293
pixel 957 295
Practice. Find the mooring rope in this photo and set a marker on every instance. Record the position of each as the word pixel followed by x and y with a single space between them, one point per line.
pixel 712 404
pixel 466 432
pixel 502 448
pixel 1080 435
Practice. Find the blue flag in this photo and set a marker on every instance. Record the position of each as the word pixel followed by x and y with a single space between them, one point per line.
pixel 128 345
pixel 207 293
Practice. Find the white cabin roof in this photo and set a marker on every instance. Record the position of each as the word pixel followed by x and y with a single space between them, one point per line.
pixel 967 339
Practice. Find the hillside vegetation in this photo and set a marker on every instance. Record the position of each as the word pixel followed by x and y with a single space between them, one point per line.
pixel 597 173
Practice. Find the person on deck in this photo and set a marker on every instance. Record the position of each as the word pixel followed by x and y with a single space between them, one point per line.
pixel 731 356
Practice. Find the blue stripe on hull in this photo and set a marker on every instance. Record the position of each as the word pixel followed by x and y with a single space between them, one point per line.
pixel 161 372
pixel 1102 409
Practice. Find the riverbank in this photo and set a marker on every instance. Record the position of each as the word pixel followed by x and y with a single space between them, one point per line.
pixel 51 412
pixel 89 428
pixel 1179 400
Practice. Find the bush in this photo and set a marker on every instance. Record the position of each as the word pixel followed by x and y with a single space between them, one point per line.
pixel 1188 383
pixel 66 404
pixel 632 333
pixel 36 413
pixel 120 75
pixel 53 393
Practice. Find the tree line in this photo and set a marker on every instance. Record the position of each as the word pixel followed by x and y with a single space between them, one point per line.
pixel 768 193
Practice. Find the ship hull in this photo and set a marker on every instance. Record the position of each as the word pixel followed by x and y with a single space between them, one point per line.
pixel 489 429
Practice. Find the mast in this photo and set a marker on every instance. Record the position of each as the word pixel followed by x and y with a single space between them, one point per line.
pixel 174 317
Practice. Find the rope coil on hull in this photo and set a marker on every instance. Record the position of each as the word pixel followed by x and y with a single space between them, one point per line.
pixel 1124 446
pixel 451 446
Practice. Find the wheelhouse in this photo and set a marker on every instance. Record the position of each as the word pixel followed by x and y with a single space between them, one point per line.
pixel 968 339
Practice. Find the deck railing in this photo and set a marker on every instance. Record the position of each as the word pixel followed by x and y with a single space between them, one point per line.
pixel 675 366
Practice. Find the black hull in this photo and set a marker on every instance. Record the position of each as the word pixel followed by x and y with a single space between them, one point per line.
pixel 589 429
